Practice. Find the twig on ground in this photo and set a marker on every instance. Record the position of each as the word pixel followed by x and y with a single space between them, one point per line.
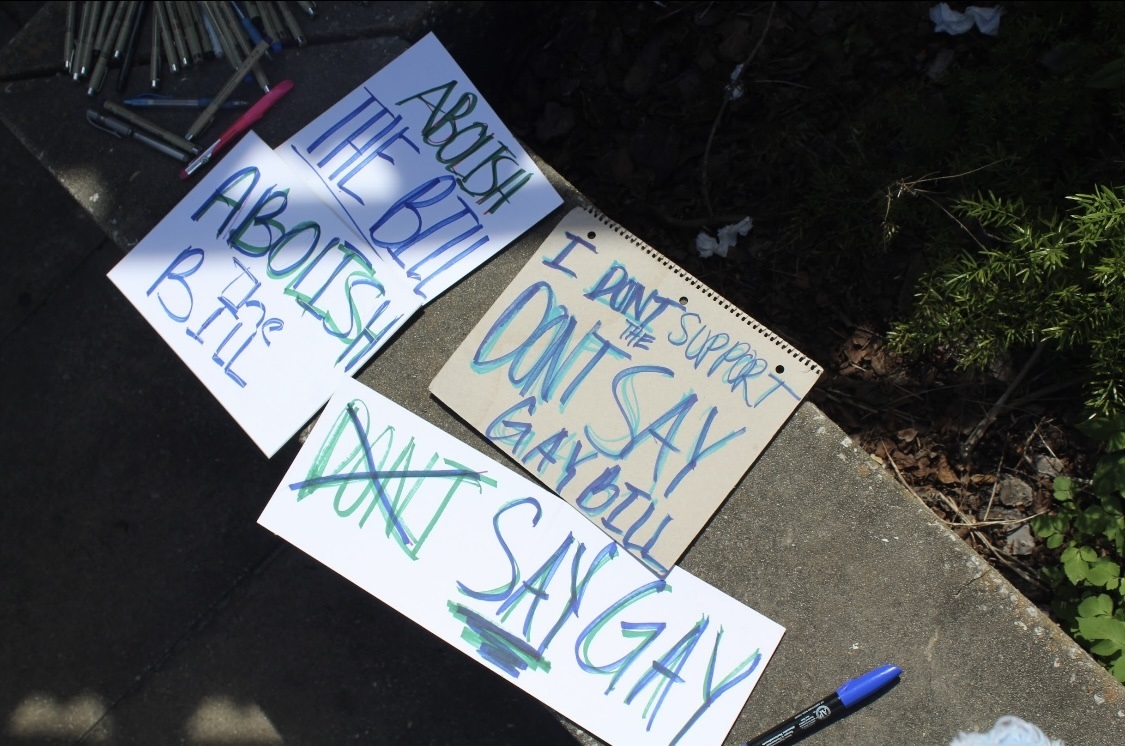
pixel 1042 392
pixel 1006 522
pixel 783 82
pixel 841 398
pixel 1021 569
pixel 695 222
pixel 1011 562
pixel 995 489
pixel 723 107
pixel 978 431
pixel 1046 444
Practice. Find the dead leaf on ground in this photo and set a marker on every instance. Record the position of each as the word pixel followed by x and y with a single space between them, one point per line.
pixel 904 460
pixel 945 474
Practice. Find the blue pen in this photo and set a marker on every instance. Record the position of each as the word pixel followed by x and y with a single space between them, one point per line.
pixel 247 24
pixel 159 100
pixel 252 30
pixel 850 694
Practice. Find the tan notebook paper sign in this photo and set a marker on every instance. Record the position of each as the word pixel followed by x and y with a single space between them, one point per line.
pixel 624 385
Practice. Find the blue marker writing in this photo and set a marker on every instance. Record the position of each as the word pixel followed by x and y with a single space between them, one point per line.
pixel 850 694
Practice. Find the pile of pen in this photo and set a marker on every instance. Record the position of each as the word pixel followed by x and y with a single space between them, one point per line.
pixel 101 34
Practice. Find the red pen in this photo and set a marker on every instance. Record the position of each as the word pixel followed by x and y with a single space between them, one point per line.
pixel 252 115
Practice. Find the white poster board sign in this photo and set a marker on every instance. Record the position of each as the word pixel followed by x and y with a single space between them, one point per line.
pixel 516 579
pixel 418 163
pixel 266 295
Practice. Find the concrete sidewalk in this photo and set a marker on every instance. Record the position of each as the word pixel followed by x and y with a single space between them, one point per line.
pixel 141 603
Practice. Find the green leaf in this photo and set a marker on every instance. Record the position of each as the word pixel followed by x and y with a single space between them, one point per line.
pixel 1108 430
pixel 1075 567
pixel 1055 541
pixel 1103 628
pixel 1109 475
pixel 1095 606
pixel 1088 554
pixel 1117 670
pixel 1064 489
pixel 1105 648
pixel 1103 572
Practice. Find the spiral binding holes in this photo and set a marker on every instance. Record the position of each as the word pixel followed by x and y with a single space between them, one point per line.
pixel 722 302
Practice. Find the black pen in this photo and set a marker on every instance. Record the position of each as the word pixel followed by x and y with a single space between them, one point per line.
pixel 850 694
pixel 291 22
pixel 131 46
pixel 171 138
pixel 90 17
pixel 124 30
pixel 121 129
pixel 105 48
pixel 154 55
pixel 68 43
pixel 160 17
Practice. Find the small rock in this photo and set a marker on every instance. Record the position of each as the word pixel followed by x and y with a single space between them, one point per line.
pixel 557 120
pixel 689 85
pixel 940 66
pixel 566 86
pixel 621 165
pixel 736 41
pixel 655 146
pixel 1060 59
pixel 1048 466
pixel 1001 514
pixel 823 21
pixel 642 74
pixel 801 8
pixel 1015 492
pixel 880 362
pixel 1020 542
pixel 590 50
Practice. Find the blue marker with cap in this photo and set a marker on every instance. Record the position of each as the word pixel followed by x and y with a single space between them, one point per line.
pixel 850 694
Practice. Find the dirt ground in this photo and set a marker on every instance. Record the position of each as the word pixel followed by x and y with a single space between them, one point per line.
pixel 682 117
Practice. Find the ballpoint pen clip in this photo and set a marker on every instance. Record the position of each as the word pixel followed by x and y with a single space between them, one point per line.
pixel 96 119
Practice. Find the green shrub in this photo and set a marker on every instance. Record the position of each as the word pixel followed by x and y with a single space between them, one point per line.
pixel 1035 278
pixel 1089 526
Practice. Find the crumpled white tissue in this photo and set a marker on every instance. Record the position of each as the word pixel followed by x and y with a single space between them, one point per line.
pixel 707 245
pixel 735 85
pixel 1008 731
pixel 952 22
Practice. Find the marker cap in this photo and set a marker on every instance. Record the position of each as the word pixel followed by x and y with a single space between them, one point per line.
pixel 862 687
